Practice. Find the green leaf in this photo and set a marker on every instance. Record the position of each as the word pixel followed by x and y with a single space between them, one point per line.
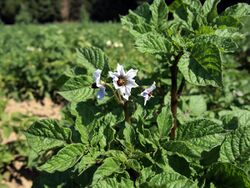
pixel 236 147
pixel 202 66
pixel 108 167
pixel 209 9
pixel 47 134
pixel 227 175
pixel 66 158
pixel 197 129
pixel 113 182
pixel 93 58
pixel 138 22
pixel 87 161
pixel 77 89
pixel 237 11
pixel 159 11
pixel 197 104
pixel 153 43
pixel 228 21
pixel 225 44
pixel 171 180
pixel 129 137
pixel 238 117
pixel 164 122
pixel 195 137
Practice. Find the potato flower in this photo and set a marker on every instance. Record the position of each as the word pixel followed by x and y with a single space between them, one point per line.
pixel 123 81
pixel 148 93
pixel 97 84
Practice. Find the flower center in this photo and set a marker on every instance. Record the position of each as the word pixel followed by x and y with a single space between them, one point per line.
pixel 150 94
pixel 121 81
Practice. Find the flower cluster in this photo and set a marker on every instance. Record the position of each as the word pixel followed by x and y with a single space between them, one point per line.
pixel 123 82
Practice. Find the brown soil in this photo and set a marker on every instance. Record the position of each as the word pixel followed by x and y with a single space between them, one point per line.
pixel 44 109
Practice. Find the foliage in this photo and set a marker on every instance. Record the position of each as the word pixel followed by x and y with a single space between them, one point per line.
pixel 119 143
pixel 39 54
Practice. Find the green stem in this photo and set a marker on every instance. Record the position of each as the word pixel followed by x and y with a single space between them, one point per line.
pixel 117 95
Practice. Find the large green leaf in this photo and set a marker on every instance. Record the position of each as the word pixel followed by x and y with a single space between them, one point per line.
pixel 202 66
pixel 239 10
pixel 64 159
pixel 93 58
pixel 113 182
pixel 77 89
pixel 236 147
pixel 164 122
pixel 153 43
pixel 227 175
pixel 159 11
pixel 228 21
pixel 210 9
pixel 195 137
pixel 171 180
pixel 108 167
pixel 197 129
pixel 47 134
pixel 225 44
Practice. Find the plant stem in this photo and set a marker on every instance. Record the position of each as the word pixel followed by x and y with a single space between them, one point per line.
pixel 174 95
pixel 126 112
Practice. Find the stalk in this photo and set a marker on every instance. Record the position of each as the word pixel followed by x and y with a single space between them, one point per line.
pixel 175 94
pixel 126 112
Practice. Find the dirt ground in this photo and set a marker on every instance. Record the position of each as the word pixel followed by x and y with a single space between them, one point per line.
pixel 44 109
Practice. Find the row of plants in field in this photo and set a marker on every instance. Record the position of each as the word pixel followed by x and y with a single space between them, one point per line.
pixel 126 127
pixel 34 56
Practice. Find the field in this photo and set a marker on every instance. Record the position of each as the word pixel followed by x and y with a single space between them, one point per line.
pixel 41 71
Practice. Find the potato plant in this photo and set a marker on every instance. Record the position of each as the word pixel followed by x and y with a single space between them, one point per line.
pixel 120 130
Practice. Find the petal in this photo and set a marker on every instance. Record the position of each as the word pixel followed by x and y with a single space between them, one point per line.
pixel 97 76
pixel 113 74
pixel 144 93
pixel 151 88
pixel 122 90
pixel 125 96
pixel 115 84
pixel 101 93
pixel 131 73
pixel 120 70
pixel 131 83
pixel 146 98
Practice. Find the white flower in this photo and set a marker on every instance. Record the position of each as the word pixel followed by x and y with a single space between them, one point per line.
pixel 122 81
pixel 109 43
pixel 97 84
pixel 147 93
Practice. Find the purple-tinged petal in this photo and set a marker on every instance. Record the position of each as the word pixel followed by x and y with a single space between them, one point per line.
pixel 101 93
